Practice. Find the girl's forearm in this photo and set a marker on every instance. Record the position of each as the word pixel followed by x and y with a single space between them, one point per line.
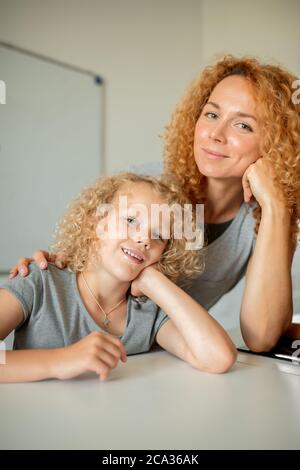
pixel 28 365
pixel 267 302
pixel 201 332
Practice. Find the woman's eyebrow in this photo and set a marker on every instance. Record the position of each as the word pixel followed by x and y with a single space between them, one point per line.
pixel 238 113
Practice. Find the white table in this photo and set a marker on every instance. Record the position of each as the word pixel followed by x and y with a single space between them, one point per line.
pixel 156 401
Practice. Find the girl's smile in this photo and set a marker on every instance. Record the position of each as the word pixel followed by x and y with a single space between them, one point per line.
pixel 134 256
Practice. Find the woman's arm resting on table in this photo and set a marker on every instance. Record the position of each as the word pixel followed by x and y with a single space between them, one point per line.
pixel 266 310
pixel 267 305
pixel 191 333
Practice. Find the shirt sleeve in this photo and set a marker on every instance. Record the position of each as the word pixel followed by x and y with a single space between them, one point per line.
pixel 27 290
pixel 253 244
pixel 161 319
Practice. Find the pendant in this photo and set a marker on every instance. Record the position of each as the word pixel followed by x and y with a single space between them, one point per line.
pixel 106 322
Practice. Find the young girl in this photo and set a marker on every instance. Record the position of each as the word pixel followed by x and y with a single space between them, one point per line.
pixel 84 319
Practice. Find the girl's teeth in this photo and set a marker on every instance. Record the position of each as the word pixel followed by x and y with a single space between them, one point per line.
pixel 131 254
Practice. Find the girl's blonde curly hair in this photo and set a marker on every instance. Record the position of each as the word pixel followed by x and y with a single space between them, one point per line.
pixel 77 242
pixel 279 119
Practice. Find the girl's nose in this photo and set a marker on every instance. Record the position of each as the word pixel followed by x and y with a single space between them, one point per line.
pixel 144 242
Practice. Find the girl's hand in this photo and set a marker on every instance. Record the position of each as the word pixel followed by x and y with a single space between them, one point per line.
pixel 136 287
pixel 39 257
pixel 259 181
pixel 98 352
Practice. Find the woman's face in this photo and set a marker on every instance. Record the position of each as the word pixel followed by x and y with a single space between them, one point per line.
pixel 227 137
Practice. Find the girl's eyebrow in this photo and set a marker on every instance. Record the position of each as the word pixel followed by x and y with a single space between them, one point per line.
pixel 238 113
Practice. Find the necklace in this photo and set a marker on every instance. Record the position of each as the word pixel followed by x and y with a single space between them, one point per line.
pixel 106 320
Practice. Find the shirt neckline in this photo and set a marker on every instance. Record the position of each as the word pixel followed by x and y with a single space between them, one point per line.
pixel 90 318
pixel 233 223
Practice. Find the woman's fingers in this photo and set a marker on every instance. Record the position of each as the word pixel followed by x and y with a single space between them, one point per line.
pixel 104 363
pixel 21 268
pixel 59 261
pixel 41 258
pixel 246 187
pixel 13 272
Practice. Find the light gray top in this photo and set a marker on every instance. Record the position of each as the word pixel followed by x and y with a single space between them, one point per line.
pixel 55 316
pixel 226 258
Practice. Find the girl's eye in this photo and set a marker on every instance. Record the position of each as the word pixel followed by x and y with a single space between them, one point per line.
pixel 157 236
pixel 245 126
pixel 130 220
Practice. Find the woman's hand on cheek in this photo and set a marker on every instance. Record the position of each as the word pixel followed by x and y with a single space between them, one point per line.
pixel 136 285
pixel 259 181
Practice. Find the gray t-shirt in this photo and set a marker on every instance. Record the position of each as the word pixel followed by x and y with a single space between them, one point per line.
pixel 226 258
pixel 55 316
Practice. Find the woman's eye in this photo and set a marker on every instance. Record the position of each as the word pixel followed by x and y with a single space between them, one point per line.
pixel 211 115
pixel 245 126
pixel 130 220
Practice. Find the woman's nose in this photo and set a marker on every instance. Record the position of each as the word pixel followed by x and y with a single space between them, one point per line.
pixel 218 133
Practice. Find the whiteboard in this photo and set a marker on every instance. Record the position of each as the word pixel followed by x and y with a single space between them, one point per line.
pixel 50 147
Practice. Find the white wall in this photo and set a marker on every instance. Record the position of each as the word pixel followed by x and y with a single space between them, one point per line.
pixel 148 51
pixel 268 29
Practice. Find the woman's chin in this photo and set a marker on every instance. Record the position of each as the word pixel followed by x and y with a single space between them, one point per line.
pixel 213 170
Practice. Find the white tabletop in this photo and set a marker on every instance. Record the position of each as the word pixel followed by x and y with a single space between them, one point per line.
pixel 156 401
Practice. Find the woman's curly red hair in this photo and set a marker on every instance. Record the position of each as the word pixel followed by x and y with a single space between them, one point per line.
pixel 279 120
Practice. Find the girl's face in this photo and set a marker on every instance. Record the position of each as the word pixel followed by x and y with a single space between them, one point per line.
pixel 227 138
pixel 126 243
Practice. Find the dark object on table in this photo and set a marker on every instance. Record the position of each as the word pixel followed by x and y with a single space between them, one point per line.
pixel 287 349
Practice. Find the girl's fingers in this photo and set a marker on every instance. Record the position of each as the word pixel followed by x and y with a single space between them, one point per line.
pixel 120 347
pixel 100 368
pixel 108 359
pixel 104 372
pixel 117 351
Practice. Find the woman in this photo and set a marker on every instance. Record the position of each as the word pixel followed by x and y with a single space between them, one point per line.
pixel 234 141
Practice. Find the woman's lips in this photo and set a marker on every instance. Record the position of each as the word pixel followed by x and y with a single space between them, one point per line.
pixel 212 155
